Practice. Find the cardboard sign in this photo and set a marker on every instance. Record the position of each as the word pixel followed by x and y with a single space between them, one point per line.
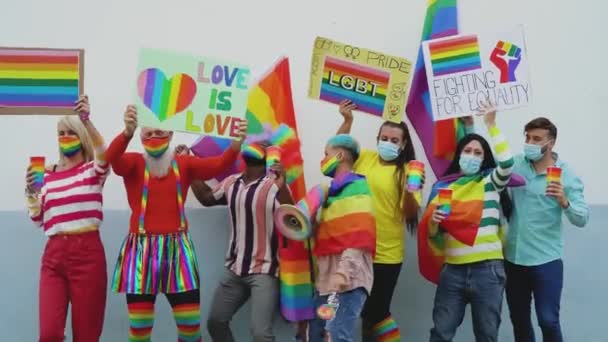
pixel 464 71
pixel 199 95
pixel 40 81
pixel 376 82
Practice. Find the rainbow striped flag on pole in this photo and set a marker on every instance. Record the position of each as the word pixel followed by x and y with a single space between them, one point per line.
pixel 440 138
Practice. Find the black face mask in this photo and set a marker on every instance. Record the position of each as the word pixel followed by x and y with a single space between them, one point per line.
pixel 254 161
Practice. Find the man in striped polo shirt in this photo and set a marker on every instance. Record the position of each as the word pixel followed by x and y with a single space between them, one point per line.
pixel 251 260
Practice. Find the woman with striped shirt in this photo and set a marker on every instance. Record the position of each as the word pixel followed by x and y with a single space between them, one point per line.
pixel 68 207
pixel 469 235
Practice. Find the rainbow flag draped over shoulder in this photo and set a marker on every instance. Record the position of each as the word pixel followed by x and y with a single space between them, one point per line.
pixel 462 223
pixel 270 104
pixel 439 138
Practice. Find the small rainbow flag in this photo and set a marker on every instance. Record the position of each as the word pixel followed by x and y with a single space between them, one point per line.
pixel 363 85
pixel 39 81
pixel 454 55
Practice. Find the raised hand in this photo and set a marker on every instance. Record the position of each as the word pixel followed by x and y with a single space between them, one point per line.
pixel 182 150
pixel 346 108
pixel 83 108
pixel 130 120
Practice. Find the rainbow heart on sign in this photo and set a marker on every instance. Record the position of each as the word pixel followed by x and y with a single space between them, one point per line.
pixel 164 97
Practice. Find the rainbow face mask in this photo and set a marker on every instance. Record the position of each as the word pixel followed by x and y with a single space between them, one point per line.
pixel 329 165
pixel 69 145
pixel 156 147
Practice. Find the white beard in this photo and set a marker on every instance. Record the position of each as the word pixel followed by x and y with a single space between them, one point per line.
pixel 159 167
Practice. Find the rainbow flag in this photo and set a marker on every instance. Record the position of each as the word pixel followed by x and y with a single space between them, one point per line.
pixel 462 223
pixel 39 78
pixel 363 85
pixel 439 138
pixel 455 55
pixel 271 103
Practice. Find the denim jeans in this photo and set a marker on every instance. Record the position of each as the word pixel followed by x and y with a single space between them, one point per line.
pixel 480 284
pixel 342 327
pixel 544 283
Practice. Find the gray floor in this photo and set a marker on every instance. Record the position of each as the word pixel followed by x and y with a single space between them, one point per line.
pixel 584 306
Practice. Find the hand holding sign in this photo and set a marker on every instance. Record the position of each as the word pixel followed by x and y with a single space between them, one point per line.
pixel 506 57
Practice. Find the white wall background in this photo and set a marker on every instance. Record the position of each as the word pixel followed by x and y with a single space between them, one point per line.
pixel 565 39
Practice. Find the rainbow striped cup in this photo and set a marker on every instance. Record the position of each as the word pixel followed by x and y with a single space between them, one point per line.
pixel 273 156
pixel 554 174
pixel 37 165
pixel 415 172
pixel 445 200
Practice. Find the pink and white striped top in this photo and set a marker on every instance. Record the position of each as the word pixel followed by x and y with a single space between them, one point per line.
pixel 70 200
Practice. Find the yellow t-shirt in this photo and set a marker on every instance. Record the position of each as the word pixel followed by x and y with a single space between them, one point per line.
pixel 390 224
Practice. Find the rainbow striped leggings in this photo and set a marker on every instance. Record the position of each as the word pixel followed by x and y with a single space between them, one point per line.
pixel 186 311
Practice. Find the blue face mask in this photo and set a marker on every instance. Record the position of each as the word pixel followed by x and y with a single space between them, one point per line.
pixel 469 164
pixel 534 152
pixel 388 151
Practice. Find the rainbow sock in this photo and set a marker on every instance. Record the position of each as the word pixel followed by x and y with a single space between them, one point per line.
pixel 188 321
pixel 387 330
pixel 141 320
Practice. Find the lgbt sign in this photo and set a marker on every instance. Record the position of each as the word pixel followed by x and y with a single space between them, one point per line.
pixel 465 70
pixel 191 94
pixel 376 82
pixel 40 81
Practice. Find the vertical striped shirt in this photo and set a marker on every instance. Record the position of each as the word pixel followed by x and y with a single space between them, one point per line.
pixel 70 200
pixel 488 243
pixel 253 243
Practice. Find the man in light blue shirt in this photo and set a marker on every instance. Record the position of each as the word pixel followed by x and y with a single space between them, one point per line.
pixel 534 245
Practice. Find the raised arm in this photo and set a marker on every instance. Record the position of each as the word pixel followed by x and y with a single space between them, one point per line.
pixel 115 154
pixel 101 164
pixel 504 157
pixel 346 110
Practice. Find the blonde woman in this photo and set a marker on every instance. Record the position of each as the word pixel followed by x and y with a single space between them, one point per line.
pixel 68 208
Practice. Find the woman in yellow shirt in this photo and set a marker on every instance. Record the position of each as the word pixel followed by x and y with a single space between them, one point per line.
pixel 394 207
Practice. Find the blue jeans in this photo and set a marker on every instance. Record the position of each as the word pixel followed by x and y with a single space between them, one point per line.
pixel 480 284
pixel 544 283
pixel 342 327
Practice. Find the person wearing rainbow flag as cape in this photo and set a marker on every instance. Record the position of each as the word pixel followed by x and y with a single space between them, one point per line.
pixel 158 255
pixel 344 242
pixel 460 239
pixel 252 265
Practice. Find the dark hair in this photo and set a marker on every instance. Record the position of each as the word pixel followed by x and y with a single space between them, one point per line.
pixel 487 164
pixel 409 209
pixel 542 123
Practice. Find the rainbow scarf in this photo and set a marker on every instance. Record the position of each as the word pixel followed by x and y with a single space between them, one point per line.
pixel 347 219
pixel 156 147
pixel 145 192
pixel 69 145
pixel 440 138
pixel 271 104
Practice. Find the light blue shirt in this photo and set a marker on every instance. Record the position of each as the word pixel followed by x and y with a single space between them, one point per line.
pixel 535 229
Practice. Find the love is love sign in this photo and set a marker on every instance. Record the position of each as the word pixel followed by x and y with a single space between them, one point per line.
pixel 199 95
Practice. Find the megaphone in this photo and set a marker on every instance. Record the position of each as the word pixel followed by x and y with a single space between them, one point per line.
pixel 295 221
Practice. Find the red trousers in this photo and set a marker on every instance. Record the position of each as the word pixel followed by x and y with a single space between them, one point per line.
pixel 73 271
